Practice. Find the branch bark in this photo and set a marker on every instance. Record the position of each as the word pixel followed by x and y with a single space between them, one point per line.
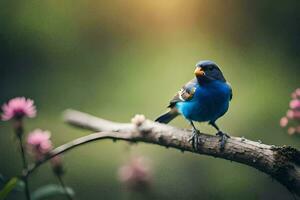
pixel 280 162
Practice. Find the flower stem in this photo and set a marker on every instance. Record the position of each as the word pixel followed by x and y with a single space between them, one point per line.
pixel 61 181
pixel 25 179
pixel 19 133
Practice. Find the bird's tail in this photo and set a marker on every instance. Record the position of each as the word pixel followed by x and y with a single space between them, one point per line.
pixel 167 117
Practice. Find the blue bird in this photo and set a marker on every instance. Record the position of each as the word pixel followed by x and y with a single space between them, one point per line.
pixel 203 99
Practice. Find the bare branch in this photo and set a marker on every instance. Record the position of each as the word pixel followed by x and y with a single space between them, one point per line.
pixel 282 163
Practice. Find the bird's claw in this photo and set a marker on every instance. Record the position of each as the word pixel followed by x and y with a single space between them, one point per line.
pixel 195 139
pixel 223 139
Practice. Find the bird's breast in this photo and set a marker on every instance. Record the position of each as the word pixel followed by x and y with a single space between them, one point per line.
pixel 208 104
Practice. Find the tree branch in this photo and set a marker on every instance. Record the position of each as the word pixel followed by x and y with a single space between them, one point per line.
pixel 282 163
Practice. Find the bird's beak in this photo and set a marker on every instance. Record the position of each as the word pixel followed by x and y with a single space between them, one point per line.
pixel 199 72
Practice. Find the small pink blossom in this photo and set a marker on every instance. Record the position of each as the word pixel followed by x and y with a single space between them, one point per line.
pixel 39 143
pixel 135 175
pixel 57 165
pixel 56 161
pixel 293 114
pixel 291 130
pixel 18 108
pixel 297 92
pixel 297 115
pixel 284 121
pixel 292 118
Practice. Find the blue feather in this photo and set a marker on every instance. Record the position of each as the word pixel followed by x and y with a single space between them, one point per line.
pixel 209 102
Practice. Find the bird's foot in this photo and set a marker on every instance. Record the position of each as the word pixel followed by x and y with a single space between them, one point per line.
pixel 223 139
pixel 195 139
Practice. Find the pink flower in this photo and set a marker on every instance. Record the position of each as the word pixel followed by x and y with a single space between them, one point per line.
pixel 39 143
pixel 135 175
pixel 295 104
pixel 18 108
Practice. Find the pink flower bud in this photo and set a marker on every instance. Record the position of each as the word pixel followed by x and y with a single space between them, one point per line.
pixel 57 165
pixel 284 122
pixel 294 95
pixel 135 175
pixel 297 115
pixel 290 114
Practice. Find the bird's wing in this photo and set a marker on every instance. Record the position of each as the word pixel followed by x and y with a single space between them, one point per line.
pixel 230 89
pixel 185 94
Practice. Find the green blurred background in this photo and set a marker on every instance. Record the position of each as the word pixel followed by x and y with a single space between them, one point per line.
pixel 117 58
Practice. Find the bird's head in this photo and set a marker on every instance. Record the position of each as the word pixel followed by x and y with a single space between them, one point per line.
pixel 207 71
